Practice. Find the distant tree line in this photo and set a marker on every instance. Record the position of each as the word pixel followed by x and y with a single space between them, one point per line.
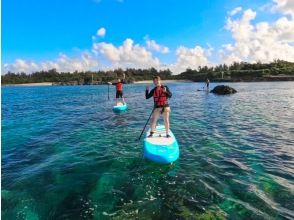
pixel 84 78
pixel 235 72
pixel 242 72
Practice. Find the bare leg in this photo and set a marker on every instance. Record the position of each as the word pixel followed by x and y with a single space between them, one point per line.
pixel 154 119
pixel 123 99
pixel 166 120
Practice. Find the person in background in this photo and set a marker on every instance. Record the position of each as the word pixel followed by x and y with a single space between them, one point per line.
pixel 160 94
pixel 207 83
pixel 119 91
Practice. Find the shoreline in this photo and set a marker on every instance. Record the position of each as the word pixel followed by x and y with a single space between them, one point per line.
pixel 52 84
pixel 164 81
pixel 269 79
pixel 30 84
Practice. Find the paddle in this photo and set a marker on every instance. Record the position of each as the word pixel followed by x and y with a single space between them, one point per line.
pixel 146 124
pixel 108 91
pixel 202 88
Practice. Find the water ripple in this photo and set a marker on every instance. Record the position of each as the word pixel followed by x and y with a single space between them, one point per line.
pixel 66 155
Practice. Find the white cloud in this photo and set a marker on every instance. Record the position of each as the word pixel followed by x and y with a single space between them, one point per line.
pixel 62 64
pixel 235 11
pixel 152 45
pixel 190 58
pixel 263 41
pixel 126 55
pixel 130 55
pixel 285 6
pixel 21 65
pixel 101 32
pixel 241 29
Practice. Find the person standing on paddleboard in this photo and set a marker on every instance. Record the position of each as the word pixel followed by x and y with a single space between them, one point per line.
pixel 160 95
pixel 207 84
pixel 119 90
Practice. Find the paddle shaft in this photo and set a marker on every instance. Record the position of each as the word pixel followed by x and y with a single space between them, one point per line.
pixel 205 84
pixel 146 124
pixel 108 92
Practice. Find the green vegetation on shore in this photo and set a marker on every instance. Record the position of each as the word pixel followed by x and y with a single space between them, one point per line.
pixel 84 78
pixel 277 70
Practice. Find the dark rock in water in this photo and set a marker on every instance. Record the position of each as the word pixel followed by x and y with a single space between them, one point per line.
pixel 223 90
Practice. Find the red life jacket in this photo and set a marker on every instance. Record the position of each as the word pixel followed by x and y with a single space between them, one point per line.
pixel 160 98
pixel 119 86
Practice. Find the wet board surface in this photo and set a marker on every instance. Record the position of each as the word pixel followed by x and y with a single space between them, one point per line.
pixel 159 148
pixel 120 107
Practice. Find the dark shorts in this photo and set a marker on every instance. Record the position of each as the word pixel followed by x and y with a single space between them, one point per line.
pixel 119 94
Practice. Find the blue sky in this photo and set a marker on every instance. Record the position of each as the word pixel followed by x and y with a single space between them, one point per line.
pixel 37 30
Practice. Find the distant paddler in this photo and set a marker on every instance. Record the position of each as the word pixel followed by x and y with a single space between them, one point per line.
pixel 160 96
pixel 119 91
pixel 207 84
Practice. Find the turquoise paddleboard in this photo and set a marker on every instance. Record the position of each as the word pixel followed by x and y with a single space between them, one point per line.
pixel 159 148
pixel 120 107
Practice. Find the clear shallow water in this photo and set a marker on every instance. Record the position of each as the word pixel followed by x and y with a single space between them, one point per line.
pixel 66 155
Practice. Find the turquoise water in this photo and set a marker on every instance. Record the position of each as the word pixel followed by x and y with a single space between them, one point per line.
pixel 66 155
